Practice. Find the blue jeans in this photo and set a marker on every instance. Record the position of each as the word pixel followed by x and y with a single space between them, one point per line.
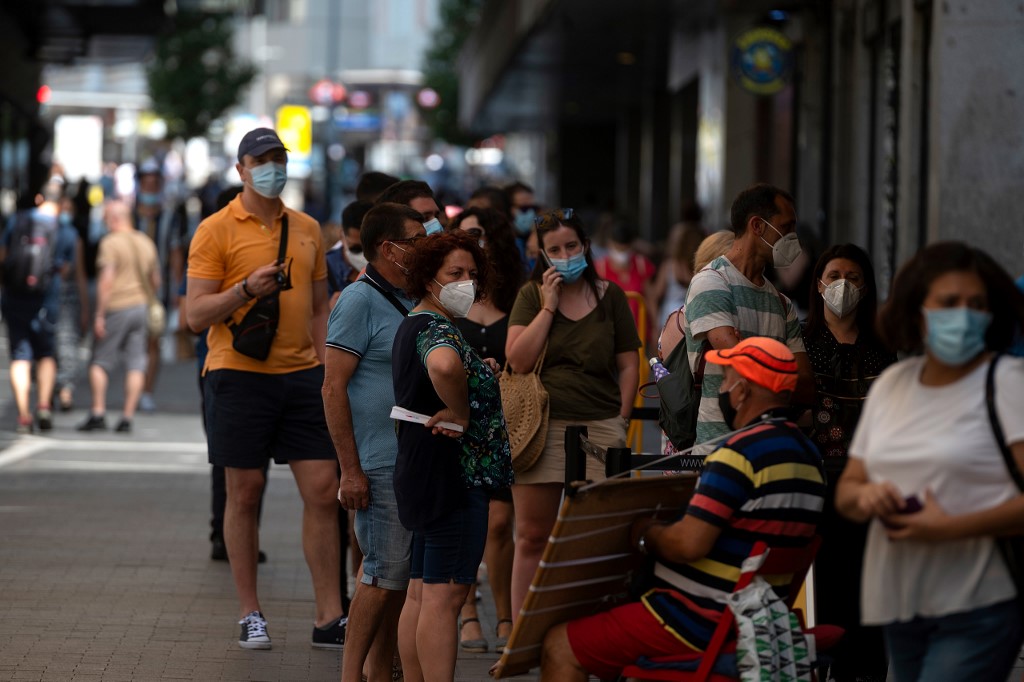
pixel 385 542
pixel 973 645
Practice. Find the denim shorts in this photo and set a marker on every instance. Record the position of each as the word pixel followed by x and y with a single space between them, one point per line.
pixel 449 549
pixel 385 542
pixel 31 331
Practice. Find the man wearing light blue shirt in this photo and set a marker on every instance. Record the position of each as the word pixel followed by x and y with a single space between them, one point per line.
pixel 358 395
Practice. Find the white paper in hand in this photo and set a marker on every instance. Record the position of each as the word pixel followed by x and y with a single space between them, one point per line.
pixel 405 415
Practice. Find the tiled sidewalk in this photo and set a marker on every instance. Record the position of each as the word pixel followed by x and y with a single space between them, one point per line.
pixel 104 561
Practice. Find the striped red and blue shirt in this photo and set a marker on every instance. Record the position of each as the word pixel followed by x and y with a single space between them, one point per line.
pixel 764 484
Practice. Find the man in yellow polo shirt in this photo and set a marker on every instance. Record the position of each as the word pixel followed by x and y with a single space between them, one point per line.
pixel 256 409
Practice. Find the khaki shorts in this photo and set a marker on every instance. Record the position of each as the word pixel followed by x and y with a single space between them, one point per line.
pixel 550 466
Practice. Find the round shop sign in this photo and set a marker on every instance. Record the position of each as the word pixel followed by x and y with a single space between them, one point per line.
pixel 762 60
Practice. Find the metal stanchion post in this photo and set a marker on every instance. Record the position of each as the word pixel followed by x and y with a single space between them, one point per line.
pixel 575 458
pixel 617 461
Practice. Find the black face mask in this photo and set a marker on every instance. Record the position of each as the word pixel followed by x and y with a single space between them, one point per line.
pixel 728 411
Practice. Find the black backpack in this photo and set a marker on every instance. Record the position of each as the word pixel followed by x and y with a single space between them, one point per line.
pixel 28 267
pixel 679 395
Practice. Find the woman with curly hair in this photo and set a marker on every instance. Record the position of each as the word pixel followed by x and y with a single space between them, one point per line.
pixel 486 329
pixel 445 469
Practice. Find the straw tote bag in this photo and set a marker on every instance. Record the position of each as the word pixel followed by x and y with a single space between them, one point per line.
pixel 525 403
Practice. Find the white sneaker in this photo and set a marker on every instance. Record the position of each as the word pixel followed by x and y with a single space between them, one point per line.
pixel 254 632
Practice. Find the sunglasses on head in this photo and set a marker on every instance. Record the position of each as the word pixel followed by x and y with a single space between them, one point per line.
pixel 558 216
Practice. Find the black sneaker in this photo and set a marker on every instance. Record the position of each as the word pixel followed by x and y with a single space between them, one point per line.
pixel 123 426
pixel 45 418
pixel 331 636
pixel 93 423
pixel 219 551
pixel 254 632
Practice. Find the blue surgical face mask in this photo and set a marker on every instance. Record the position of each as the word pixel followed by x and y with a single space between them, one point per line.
pixel 149 199
pixel 955 335
pixel 524 222
pixel 571 268
pixel 65 219
pixel 433 226
pixel 268 179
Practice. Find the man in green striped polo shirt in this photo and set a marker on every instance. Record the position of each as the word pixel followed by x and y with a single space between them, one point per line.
pixel 731 299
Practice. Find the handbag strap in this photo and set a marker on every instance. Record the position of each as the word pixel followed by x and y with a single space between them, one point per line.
pixel 147 286
pixel 543 351
pixel 997 427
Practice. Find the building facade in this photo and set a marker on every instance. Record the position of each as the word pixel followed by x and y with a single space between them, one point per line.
pixel 894 122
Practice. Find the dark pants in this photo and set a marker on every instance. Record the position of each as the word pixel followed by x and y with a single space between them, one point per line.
pixel 837 573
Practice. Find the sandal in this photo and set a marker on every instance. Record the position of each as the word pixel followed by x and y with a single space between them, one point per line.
pixel 500 643
pixel 474 646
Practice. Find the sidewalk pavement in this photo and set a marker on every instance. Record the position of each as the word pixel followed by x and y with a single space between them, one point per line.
pixel 105 572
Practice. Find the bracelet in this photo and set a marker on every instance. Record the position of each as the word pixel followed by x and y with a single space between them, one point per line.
pixel 546 309
pixel 238 291
pixel 245 288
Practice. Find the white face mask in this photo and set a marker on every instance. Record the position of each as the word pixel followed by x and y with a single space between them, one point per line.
pixel 786 250
pixel 620 258
pixel 841 296
pixel 356 260
pixel 457 297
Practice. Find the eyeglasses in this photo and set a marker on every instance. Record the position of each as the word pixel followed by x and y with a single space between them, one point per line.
pixel 410 240
pixel 554 216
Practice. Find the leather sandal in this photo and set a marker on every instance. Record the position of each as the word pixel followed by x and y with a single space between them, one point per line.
pixel 500 642
pixel 475 646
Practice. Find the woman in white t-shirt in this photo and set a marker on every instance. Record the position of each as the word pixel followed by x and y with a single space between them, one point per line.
pixel 934 578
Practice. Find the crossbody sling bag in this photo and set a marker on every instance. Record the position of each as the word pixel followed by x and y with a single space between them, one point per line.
pixel 254 334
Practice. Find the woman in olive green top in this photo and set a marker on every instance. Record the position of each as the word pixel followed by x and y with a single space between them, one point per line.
pixel 591 370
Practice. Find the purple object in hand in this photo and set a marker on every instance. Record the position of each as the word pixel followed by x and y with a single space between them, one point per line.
pixel 911 505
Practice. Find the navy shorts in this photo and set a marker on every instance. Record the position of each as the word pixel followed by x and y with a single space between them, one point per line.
pixel 251 417
pixel 31 330
pixel 449 549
